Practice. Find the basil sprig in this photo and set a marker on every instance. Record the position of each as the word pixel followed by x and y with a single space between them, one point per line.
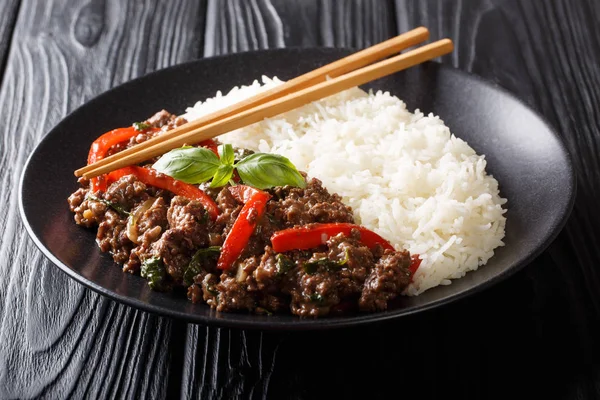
pixel 189 164
pixel 196 165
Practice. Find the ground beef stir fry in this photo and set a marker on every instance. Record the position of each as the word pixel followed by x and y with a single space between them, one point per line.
pixel 172 241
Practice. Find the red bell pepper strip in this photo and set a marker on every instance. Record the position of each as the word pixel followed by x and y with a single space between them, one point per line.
pixel 154 178
pixel 314 235
pixel 255 204
pixel 100 147
pixel 415 263
pixel 211 145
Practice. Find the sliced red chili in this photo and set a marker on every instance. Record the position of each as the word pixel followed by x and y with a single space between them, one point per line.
pixel 314 235
pixel 255 203
pixel 211 145
pixel 100 147
pixel 415 263
pixel 154 178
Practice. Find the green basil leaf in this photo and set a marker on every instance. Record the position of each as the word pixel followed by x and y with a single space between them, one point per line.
pixel 153 269
pixel 211 289
pixel 317 298
pixel 208 251
pixel 115 206
pixel 262 310
pixel 263 171
pixel 226 153
pixel 195 266
pixel 284 264
pixel 222 176
pixel 311 267
pixel 141 126
pixel 189 164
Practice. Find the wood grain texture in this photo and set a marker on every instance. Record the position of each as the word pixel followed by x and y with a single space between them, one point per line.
pixel 240 25
pixel 539 322
pixel 58 339
pixel 545 52
pixel 8 16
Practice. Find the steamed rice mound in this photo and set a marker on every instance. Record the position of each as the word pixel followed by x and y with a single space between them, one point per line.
pixel 404 174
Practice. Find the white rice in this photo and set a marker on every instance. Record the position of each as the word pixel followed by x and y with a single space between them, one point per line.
pixel 404 174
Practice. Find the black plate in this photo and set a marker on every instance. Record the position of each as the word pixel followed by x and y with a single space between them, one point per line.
pixel 523 153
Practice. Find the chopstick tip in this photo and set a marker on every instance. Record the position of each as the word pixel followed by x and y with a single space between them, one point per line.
pixel 421 32
pixel 449 42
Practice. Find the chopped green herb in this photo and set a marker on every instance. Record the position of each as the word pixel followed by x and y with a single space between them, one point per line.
pixel 117 207
pixel 284 264
pixel 346 258
pixel 274 221
pixel 316 298
pixel 311 267
pixel 208 251
pixel 195 265
pixel 212 290
pixel 204 218
pixel 263 310
pixel 305 253
pixel 153 269
pixel 140 126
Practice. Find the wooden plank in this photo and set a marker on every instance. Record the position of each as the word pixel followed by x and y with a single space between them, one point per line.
pixel 229 363
pixel 240 25
pixel 8 16
pixel 57 338
pixel 547 53
pixel 464 348
pixel 81 344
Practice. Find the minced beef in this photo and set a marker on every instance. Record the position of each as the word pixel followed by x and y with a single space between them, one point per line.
pixel 301 206
pixel 387 278
pixel 149 226
pixel 126 192
pixel 139 223
pixel 112 237
pixel 88 212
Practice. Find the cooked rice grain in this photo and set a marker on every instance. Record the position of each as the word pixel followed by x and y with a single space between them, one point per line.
pixel 404 174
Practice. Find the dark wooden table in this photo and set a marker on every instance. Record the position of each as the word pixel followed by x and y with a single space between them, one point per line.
pixel 536 334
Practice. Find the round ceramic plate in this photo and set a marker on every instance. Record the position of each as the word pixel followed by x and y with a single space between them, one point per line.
pixel 523 153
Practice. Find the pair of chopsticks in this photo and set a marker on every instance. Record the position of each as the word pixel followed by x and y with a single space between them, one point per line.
pixel 354 70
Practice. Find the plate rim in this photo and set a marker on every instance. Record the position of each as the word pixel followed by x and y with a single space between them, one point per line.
pixel 310 324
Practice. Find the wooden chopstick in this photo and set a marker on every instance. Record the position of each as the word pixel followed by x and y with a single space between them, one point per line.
pixel 332 70
pixel 282 104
